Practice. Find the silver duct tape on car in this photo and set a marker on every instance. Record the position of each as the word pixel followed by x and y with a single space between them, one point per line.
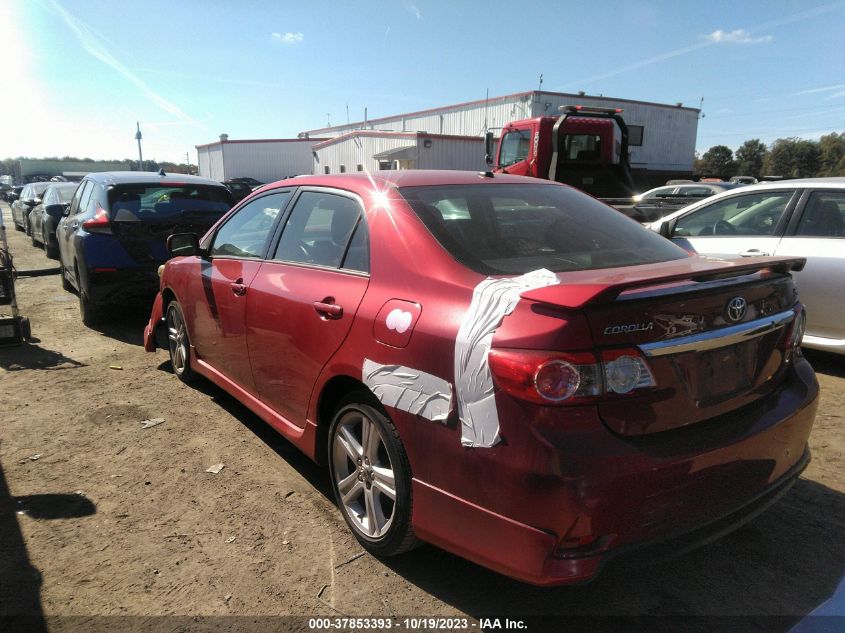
pixel 409 389
pixel 492 301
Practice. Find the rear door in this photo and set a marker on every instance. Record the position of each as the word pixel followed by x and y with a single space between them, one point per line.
pixel 302 301
pixel 216 301
pixel 818 233
pixel 744 225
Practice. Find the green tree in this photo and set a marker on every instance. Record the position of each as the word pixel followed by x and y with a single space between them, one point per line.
pixel 718 161
pixel 832 155
pixel 793 158
pixel 750 157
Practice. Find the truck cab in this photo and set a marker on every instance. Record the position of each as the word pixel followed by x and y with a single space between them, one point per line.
pixel 586 148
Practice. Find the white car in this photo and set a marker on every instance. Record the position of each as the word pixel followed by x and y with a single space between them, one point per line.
pixel 803 217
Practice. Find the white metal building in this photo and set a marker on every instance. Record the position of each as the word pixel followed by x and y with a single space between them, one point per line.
pixel 370 150
pixel 266 160
pixel 662 136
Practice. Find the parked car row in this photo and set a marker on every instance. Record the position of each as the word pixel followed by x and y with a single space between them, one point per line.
pixel 660 201
pixel 108 231
pixel 501 366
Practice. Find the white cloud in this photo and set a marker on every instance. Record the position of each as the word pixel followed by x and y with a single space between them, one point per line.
pixel 737 36
pixel 288 38
pixel 410 6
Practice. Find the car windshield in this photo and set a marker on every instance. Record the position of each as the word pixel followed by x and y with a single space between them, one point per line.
pixel 514 229
pixel 151 202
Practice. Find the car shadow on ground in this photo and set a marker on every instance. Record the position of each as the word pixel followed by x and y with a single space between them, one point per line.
pixel 29 355
pixel 125 324
pixel 764 576
pixel 826 362
pixel 20 598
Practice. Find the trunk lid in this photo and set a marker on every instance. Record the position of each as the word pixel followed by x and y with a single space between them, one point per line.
pixel 710 331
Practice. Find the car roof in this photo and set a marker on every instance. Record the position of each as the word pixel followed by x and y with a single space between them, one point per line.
pixel 408 178
pixel 131 177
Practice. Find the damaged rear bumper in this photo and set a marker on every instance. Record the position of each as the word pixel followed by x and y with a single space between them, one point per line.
pixel 154 331
pixel 595 496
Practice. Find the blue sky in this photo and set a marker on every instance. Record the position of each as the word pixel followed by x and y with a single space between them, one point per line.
pixel 80 73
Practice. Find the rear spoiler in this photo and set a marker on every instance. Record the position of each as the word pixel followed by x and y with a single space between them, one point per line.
pixel 594 289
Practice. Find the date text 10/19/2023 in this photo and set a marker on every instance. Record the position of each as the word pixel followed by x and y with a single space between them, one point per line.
pixel 414 624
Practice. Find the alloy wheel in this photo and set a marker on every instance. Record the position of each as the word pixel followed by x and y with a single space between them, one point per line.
pixel 178 340
pixel 364 475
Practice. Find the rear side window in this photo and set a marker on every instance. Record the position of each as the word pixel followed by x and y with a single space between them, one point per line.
pixel 824 215
pixel 514 229
pixel 151 202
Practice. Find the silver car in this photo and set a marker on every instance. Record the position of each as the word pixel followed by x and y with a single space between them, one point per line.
pixel 792 217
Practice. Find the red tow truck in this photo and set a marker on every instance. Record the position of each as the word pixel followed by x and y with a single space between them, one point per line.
pixel 585 147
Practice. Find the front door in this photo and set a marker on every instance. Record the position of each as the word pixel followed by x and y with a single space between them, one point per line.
pixel 217 303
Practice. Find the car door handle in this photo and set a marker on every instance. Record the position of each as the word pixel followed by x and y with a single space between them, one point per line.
pixel 238 288
pixel 753 252
pixel 327 309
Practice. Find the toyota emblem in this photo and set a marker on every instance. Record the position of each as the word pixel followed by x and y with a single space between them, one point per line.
pixel 736 309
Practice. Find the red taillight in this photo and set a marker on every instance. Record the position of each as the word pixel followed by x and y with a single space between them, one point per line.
pixel 100 223
pixel 569 378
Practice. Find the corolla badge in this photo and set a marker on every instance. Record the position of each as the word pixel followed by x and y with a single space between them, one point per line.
pixel 629 327
pixel 736 308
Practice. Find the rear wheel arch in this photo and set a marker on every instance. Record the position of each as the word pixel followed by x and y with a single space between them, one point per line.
pixel 332 394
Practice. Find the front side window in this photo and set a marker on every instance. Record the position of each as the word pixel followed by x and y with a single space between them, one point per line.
pixel 756 214
pixel 319 229
pixel 824 215
pixel 245 234
pixel 514 229
pixel 515 147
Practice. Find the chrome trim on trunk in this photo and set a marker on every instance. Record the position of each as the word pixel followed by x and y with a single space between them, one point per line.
pixel 719 338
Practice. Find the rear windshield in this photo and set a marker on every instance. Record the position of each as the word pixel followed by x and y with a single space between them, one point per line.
pixel 514 229
pixel 162 202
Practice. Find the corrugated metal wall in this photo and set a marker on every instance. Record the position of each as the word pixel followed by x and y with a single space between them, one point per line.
pixel 451 153
pixel 357 150
pixel 668 138
pixel 442 154
pixel 210 162
pixel 268 161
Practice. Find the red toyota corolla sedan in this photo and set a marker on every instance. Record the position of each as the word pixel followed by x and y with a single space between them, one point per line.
pixel 501 366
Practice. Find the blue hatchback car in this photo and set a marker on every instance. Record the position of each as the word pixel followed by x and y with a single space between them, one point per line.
pixel 112 236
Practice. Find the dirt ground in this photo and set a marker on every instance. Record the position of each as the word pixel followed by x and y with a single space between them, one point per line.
pixel 101 517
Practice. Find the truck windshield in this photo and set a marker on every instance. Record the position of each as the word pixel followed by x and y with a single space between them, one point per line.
pixel 516 228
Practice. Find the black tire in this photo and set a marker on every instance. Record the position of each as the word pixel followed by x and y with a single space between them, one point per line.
pixel 66 285
pixel 91 313
pixel 18 227
pixel 32 238
pixel 179 343
pixel 367 499
pixel 26 227
pixel 51 251
pixel 26 329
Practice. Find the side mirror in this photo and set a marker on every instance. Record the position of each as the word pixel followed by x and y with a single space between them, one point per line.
pixel 667 228
pixel 488 148
pixel 183 245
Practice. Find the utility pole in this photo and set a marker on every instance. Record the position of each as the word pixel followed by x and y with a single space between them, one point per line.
pixel 138 138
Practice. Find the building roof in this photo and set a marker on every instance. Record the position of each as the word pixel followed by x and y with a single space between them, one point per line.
pixel 385 134
pixel 262 140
